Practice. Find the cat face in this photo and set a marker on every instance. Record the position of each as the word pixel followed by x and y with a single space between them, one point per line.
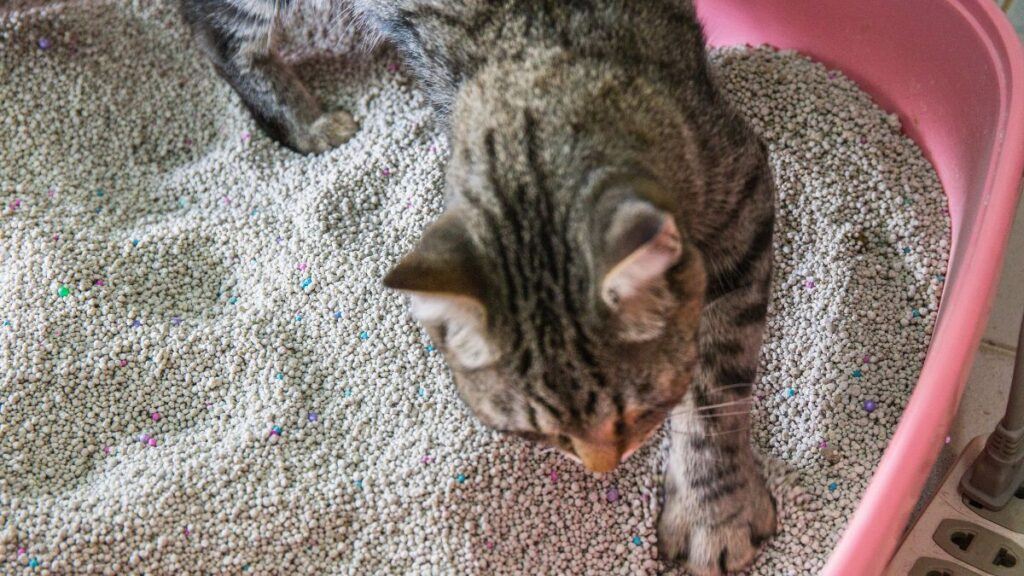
pixel 583 339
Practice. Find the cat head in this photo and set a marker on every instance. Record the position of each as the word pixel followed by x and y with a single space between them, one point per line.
pixel 559 283
pixel 585 346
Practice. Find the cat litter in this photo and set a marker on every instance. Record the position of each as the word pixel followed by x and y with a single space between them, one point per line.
pixel 341 466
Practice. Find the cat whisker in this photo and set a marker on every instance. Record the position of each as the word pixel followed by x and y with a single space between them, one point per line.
pixel 718 433
pixel 721 404
pixel 724 432
pixel 709 407
pixel 731 386
pixel 678 408
pixel 711 416
pixel 747 385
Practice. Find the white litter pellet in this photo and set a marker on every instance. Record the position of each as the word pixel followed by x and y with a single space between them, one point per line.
pixel 160 256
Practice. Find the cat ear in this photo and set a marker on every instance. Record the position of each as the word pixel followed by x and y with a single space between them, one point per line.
pixel 642 243
pixel 458 324
pixel 444 282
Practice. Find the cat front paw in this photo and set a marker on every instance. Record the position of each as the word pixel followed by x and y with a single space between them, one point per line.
pixel 330 130
pixel 720 538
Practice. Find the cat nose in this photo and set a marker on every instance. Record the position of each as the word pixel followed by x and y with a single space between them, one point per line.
pixel 597 458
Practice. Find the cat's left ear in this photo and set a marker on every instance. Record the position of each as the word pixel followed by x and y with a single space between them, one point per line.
pixel 443 279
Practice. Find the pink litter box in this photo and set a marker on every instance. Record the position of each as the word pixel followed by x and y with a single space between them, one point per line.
pixel 954 72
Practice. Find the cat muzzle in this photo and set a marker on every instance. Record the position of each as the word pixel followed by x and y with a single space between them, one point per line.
pixel 597 458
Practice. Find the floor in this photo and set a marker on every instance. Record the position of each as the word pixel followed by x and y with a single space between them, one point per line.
pixel 985 397
pixel 1015 8
pixel 926 550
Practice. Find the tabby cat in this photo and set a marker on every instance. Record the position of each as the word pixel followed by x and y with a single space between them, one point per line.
pixel 604 261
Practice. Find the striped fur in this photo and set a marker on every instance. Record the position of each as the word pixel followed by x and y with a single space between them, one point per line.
pixel 604 262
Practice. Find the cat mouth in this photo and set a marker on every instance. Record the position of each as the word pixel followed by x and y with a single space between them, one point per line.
pixel 638 445
pixel 571 456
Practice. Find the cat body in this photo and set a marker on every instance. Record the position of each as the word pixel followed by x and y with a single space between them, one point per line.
pixel 604 260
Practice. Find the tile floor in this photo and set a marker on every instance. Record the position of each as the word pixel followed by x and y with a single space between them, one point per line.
pixel 985 397
pixel 1015 8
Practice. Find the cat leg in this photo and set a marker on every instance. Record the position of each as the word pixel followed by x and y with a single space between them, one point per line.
pixel 238 37
pixel 717 509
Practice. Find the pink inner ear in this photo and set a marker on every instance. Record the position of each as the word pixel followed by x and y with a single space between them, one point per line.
pixel 644 266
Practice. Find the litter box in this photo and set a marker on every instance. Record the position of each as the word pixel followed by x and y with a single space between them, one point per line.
pixel 954 72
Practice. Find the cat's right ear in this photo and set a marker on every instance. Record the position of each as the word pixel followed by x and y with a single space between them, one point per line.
pixel 443 279
pixel 639 245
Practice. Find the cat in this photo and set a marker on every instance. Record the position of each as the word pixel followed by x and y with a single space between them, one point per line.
pixel 604 260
